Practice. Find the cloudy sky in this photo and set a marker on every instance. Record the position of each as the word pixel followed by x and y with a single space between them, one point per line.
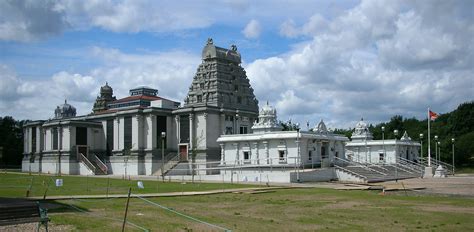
pixel 331 60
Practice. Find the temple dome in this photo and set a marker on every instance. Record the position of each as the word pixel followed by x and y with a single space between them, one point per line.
pixel 321 128
pixel 267 120
pixel 65 111
pixel 106 89
pixel 361 131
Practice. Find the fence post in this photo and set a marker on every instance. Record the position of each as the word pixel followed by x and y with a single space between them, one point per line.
pixel 126 209
pixel 107 193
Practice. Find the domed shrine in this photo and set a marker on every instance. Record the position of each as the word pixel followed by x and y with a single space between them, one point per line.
pixel 64 111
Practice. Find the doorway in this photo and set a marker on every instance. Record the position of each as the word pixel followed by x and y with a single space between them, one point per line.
pixel 183 152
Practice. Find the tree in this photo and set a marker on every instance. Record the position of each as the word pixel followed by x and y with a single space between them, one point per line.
pixel 289 126
pixel 11 141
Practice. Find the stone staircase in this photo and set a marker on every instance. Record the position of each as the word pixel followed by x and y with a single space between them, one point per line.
pixel 376 173
pixel 94 164
pixel 171 162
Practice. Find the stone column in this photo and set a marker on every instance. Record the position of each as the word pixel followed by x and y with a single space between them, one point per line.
pixel 191 125
pixel 255 145
pixel 117 134
pixel 267 155
pixel 222 153
pixel 176 119
pixel 237 158
pixel 151 133
pixel 136 132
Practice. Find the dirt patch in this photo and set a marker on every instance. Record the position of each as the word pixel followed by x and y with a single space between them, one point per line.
pixel 445 208
pixel 344 205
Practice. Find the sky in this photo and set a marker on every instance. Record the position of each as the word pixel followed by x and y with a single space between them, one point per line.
pixel 331 60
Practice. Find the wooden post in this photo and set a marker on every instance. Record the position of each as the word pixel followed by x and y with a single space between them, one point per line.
pixel 107 193
pixel 126 209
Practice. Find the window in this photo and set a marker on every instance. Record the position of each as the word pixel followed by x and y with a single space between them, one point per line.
pixel 110 136
pixel 54 134
pixel 229 130
pixel 282 156
pixel 243 130
pixel 127 133
pixel 33 139
pixel 246 157
pixel 160 127
pixel 81 135
pixel 381 157
pixel 184 129
pixel 239 99
pixel 236 87
pixel 310 155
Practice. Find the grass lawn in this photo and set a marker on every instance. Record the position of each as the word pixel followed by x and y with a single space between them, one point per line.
pixel 16 185
pixel 306 209
pixel 282 210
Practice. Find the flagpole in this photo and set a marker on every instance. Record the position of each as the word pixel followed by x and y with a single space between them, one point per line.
pixel 429 138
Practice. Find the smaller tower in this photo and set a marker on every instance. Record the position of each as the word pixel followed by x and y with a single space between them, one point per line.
pixel 361 132
pixel 64 111
pixel 102 101
pixel 267 120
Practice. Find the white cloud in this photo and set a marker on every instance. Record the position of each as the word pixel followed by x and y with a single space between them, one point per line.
pixel 315 25
pixel 252 30
pixel 376 60
pixel 29 20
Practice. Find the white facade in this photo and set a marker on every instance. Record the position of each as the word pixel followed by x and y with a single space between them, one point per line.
pixel 363 149
pixel 269 147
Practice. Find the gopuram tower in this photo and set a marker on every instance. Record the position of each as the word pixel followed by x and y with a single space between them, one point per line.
pixel 220 101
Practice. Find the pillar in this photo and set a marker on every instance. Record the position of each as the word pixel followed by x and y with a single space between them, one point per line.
pixel 176 119
pixel 191 125
pixel 255 145
pixel 267 154
pixel 222 153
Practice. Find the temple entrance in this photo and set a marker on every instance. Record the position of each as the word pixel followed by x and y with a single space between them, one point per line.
pixel 183 152
pixel 84 150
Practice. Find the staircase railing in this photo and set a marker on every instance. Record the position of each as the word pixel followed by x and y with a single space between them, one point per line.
pixel 351 172
pixel 359 165
pixel 170 161
pixel 411 165
pixel 435 163
pixel 101 165
pixel 86 161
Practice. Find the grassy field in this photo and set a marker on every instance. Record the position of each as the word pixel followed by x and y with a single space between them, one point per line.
pixel 306 209
pixel 17 185
pixel 282 210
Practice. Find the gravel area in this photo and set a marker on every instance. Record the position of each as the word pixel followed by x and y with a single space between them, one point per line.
pixel 32 227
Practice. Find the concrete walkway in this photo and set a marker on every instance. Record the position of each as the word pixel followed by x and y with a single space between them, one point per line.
pixel 171 194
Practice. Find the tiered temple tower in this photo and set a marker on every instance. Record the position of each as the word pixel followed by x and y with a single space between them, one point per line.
pixel 220 101
pixel 106 96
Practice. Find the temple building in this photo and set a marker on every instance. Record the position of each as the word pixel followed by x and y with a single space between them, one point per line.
pixel 280 155
pixel 363 149
pixel 136 134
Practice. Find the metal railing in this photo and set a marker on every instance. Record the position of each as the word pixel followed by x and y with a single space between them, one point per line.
pixel 86 161
pixel 100 164
pixel 171 160
pixel 435 163
pixel 357 164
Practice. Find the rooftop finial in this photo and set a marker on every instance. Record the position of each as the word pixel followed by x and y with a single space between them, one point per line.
pixel 210 41
pixel 65 101
pixel 267 102
pixel 233 47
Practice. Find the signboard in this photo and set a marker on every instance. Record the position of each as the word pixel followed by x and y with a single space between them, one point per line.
pixel 59 182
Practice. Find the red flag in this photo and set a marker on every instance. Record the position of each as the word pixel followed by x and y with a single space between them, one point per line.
pixel 433 115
